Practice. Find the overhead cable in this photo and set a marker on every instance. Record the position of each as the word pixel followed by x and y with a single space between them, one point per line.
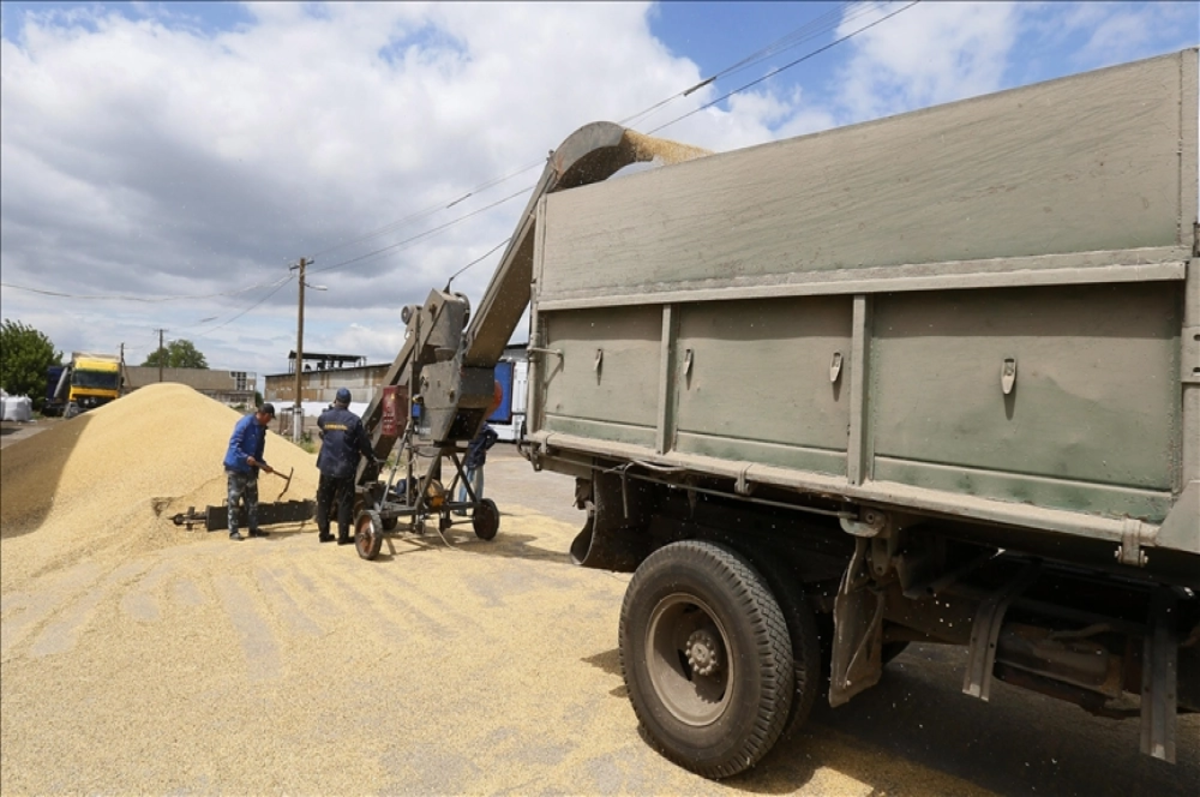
pixel 772 74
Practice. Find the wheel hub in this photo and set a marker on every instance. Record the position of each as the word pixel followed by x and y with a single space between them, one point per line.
pixel 703 652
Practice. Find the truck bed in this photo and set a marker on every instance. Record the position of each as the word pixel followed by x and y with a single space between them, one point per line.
pixel 988 310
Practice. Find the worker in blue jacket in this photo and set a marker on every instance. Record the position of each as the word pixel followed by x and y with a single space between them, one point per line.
pixel 243 460
pixel 343 441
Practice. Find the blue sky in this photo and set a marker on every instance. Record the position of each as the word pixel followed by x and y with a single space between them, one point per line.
pixel 161 164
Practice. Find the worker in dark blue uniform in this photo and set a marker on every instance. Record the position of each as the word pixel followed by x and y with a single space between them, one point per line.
pixel 343 441
pixel 243 460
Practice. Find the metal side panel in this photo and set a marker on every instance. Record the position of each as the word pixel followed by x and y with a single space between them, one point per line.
pixel 603 382
pixel 1066 398
pixel 765 381
pixel 1032 178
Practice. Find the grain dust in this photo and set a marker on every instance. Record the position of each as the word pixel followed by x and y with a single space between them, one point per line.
pixel 648 148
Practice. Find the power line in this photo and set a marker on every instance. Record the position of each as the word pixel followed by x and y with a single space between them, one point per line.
pixel 248 309
pixel 429 211
pixel 826 22
pixel 800 60
pixel 129 298
pixel 426 233
pixel 476 260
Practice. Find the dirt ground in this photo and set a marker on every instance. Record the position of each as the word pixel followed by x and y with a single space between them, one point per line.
pixel 285 666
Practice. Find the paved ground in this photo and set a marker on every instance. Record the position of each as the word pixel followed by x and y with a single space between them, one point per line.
pixel 11 431
pixel 285 666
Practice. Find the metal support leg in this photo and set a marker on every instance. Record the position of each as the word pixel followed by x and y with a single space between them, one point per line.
pixel 1159 679
pixel 985 631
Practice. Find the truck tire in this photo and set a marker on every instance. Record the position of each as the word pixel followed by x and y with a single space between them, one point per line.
pixel 368 534
pixel 706 658
pixel 808 678
pixel 71 411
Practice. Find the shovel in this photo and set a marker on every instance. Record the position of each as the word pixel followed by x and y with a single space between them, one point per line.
pixel 287 484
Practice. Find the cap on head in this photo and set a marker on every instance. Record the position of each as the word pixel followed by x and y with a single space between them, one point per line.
pixel 343 397
pixel 267 409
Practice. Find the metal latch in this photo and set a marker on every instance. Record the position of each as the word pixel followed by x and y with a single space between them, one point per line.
pixel 1190 361
pixel 1008 375
pixel 687 362
pixel 835 367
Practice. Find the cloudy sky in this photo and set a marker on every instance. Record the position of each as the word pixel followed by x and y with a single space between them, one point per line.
pixel 163 164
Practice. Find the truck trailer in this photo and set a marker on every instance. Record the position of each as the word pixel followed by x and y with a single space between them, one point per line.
pixel 933 378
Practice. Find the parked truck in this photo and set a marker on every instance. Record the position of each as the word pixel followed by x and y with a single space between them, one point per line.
pixel 50 404
pixel 933 378
pixel 88 381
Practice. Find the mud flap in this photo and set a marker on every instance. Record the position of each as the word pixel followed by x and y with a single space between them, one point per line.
pixel 857 663
pixel 613 537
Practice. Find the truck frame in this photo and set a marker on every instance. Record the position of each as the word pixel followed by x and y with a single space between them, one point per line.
pixel 933 378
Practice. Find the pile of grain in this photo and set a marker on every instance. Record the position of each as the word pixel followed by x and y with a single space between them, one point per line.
pixel 115 476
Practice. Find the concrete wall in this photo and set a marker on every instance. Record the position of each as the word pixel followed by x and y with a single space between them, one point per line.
pixel 318 388
pixel 224 386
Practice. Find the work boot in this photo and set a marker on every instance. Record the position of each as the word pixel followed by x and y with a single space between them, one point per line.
pixel 233 535
pixel 258 533
pixel 345 540
pixel 325 537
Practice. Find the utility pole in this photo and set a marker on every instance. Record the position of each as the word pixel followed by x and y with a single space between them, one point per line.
pixel 161 354
pixel 298 408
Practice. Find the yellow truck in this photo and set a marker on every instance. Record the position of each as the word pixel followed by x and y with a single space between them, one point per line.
pixel 89 381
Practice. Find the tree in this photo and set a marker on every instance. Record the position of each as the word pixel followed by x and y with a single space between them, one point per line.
pixel 177 354
pixel 25 354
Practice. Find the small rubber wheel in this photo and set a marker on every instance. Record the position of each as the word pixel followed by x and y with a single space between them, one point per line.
pixel 706 658
pixel 486 519
pixel 368 534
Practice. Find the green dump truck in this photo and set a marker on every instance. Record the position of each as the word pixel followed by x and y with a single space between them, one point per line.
pixel 933 378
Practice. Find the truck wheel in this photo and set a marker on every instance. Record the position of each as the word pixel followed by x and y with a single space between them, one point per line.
pixel 808 679
pixel 486 519
pixel 71 411
pixel 706 658
pixel 368 534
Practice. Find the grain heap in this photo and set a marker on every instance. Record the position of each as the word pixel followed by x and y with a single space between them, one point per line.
pixel 111 480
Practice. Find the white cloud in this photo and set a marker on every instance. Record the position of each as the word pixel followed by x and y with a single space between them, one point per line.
pixel 177 161
pixel 928 54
